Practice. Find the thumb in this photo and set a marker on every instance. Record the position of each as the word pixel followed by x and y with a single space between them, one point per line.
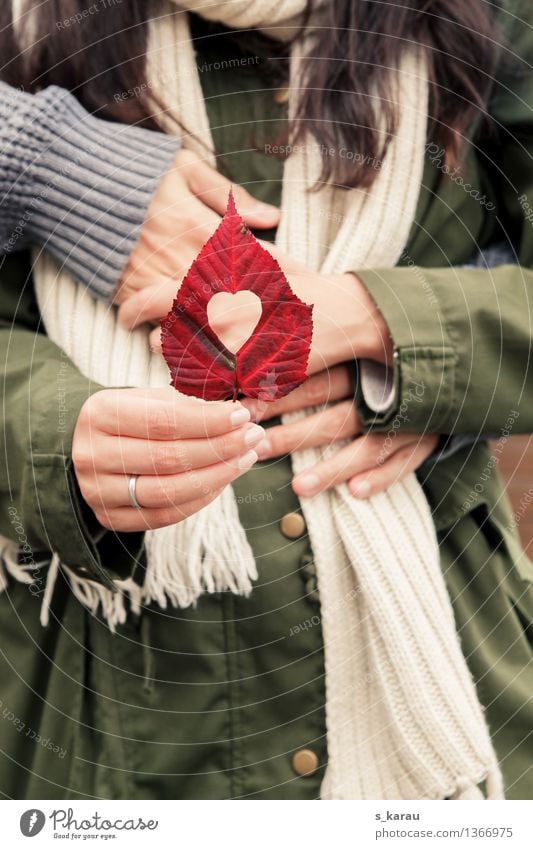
pixel 150 304
pixel 256 214
pixel 213 190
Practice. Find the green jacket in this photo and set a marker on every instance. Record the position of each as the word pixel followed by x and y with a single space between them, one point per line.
pixel 213 702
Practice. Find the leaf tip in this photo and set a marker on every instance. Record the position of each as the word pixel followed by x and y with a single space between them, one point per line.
pixel 231 209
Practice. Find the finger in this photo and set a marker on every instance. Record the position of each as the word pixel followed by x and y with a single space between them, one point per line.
pixel 155 492
pixel 185 213
pixel 325 387
pixel 130 519
pixel 161 416
pixel 143 457
pixel 213 189
pixel 360 455
pixel 288 264
pixel 322 428
pixel 396 467
pixel 148 304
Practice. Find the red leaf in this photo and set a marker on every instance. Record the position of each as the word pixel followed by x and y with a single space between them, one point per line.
pixel 273 361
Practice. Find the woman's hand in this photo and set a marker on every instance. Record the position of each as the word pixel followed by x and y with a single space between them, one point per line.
pixel 372 462
pixel 184 453
pixel 184 212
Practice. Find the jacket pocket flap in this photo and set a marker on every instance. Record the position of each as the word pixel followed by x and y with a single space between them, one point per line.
pixel 469 482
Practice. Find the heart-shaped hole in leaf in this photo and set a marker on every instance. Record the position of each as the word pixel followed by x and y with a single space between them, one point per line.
pixel 234 317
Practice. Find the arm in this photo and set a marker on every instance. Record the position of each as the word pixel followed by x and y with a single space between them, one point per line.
pixel 69 447
pixel 116 204
pixel 463 365
pixel 377 391
pixel 79 185
pixel 42 395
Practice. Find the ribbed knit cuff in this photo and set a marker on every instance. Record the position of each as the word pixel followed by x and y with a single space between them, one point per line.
pixel 76 184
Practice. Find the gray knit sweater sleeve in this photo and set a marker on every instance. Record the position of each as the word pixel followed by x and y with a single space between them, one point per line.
pixel 79 185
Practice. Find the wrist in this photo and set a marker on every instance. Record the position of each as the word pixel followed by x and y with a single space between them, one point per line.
pixel 348 324
pixel 92 218
pixel 375 340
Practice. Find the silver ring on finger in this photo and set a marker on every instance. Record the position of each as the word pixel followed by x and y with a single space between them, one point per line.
pixel 132 495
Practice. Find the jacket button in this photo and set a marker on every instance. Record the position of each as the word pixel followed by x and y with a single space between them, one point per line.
pixel 305 762
pixel 293 525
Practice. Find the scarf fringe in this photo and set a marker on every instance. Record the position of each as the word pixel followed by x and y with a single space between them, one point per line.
pixel 209 558
pixel 207 562
pixel 90 594
pixel 9 564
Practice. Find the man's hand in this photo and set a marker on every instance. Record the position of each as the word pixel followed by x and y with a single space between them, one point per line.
pixel 371 462
pixel 185 211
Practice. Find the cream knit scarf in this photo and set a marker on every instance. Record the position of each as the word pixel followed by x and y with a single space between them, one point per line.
pixel 403 718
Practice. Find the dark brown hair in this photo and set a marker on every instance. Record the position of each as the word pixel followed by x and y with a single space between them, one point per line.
pixel 354 56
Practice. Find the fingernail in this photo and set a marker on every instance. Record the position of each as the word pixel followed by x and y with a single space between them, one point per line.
pixel 264 449
pixel 253 435
pixel 307 484
pixel 247 460
pixel 361 489
pixel 239 417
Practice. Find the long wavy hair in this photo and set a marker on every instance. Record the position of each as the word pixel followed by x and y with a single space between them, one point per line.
pixel 355 55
